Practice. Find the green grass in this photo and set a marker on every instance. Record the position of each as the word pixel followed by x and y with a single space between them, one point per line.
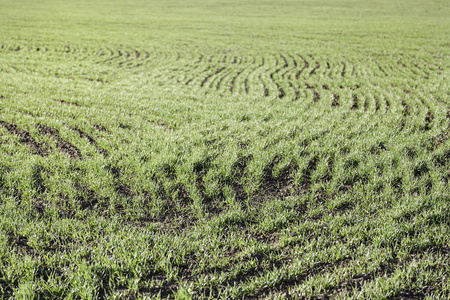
pixel 234 149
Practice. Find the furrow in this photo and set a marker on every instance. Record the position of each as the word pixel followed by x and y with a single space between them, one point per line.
pixel 253 76
pixel 233 81
pixel 355 101
pixel 316 66
pixel 63 145
pixel 305 65
pixel 316 96
pixel 219 84
pixel 26 138
pixel 215 75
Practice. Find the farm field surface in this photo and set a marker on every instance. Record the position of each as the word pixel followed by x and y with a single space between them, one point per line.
pixel 225 149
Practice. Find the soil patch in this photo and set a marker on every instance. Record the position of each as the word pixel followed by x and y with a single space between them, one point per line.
pixel 26 138
pixel 66 102
pixel 61 144
pixel 91 140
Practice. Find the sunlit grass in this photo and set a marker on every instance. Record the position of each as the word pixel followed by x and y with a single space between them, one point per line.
pixel 241 149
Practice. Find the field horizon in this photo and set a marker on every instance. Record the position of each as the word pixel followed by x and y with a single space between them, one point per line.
pixel 224 149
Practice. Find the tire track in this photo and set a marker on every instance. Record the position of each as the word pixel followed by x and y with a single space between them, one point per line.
pixel 344 69
pixel 233 81
pixel 280 91
pixel 295 91
pixel 219 83
pixel 119 54
pixel 294 67
pixel 366 104
pixel 91 140
pixel 285 66
pixel 63 145
pixel 335 102
pixel 305 66
pixel 316 96
pixel 253 71
pixel 282 75
pixel 218 71
pixel 355 101
pixel 385 74
pixel 316 67
pixel 197 75
pixel 266 83
pixel 26 138
pixel 377 103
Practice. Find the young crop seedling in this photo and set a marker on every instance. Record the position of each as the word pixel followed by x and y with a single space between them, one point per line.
pixel 172 150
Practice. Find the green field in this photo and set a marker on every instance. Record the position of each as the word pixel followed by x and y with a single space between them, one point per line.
pixel 225 149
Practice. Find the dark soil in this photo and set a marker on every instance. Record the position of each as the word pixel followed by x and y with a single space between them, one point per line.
pixel 63 145
pixel 93 142
pixel 26 138
pixel 66 102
